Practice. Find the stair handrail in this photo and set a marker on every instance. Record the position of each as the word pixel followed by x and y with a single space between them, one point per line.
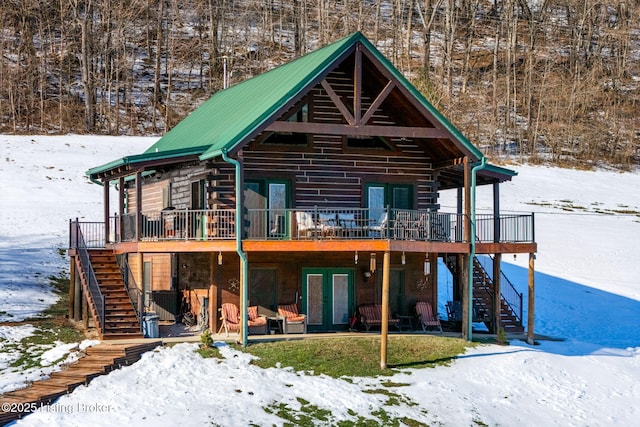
pixel 77 242
pixel 486 290
pixel 131 287
pixel 510 295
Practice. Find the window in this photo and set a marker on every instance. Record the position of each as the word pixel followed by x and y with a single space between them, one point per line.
pixel 301 115
pixel 198 194
pixel 398 196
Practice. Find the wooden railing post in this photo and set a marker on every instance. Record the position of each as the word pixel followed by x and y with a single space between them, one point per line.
pixel 384 328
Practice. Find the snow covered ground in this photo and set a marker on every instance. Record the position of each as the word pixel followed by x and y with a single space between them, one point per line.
pixel 587 291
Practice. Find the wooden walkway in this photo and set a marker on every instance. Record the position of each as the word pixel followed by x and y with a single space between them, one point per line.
pixel 100 359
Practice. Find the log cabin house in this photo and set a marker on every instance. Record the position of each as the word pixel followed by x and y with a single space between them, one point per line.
pixel 314 184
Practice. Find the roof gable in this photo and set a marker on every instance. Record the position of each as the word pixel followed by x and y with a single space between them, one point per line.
pixel 232 117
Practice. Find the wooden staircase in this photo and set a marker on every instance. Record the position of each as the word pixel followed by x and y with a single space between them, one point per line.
pixel 99 360
pixel 483 299
pixel 120 320
pixel 483 291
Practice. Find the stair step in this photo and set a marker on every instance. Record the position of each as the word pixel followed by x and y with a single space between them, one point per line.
pixel 127 327
pixel 119 312
pixel 118 317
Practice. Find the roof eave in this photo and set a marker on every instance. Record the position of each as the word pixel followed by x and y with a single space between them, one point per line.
pixel 138 160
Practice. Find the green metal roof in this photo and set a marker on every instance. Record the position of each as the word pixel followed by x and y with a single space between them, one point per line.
pixel 230 116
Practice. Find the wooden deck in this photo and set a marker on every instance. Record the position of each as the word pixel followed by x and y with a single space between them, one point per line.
pixel 100 359
pixel 321 246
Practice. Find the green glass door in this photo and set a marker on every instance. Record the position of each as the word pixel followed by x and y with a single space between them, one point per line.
pixel 328 298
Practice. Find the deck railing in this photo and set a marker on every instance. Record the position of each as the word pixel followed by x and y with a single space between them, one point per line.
pixel 92 234
pixel 316 224
pixel 505 228
pixel 77 241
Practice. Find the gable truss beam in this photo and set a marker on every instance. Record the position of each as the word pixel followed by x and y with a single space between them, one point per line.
pixel 353 130
pixel 357 86
pixel 357 118
pixel 378 101
pixel 338 102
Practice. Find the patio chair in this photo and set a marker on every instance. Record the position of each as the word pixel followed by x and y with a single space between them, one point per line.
pixel 257 324
pixel 426 317
pixel 230 316
pixel 305 225
pixel 348 222
pixel 454 311
pixel 294 322
pixel 381 226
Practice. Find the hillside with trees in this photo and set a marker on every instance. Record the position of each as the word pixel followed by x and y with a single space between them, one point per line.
pixel 547 80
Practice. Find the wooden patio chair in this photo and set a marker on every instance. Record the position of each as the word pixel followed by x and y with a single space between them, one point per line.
pixel 293 322
pixel 257 324
pixel 426 316
pixel 230 316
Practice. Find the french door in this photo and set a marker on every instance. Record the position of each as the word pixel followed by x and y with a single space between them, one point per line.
pixel 328 297
pixel 267 202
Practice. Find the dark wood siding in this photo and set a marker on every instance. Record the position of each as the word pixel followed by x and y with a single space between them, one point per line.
pixel 329 174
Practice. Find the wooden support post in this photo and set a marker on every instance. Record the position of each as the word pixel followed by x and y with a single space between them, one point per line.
pixel 138 207
pixel 467 200
pixel 531 305
pixel 457 280
pixel 384 328
pixel 72 286
pixel 107 224
pixel 243 305
pixel 121 204
pixel 464 268
pixel 212 309
pixel 497 299
pixel 433 279
pixel 496 213
pixel 212 312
